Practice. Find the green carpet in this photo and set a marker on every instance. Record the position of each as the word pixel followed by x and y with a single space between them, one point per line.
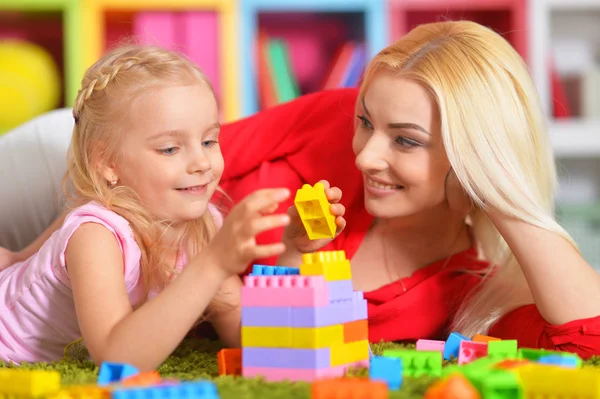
pixel 196 359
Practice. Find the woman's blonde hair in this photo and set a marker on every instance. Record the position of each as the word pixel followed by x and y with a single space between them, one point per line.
pixel 108 89
pixel 494 135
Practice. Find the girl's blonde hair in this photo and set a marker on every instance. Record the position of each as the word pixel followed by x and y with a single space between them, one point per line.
pixel 107 91
pixel 493 131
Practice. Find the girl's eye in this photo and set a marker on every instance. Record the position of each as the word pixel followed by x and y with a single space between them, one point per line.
pixel 209 143
pixel 364 122
pixel 168 151
pixel 407 143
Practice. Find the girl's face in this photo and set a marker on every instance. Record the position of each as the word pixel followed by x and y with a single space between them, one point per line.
pixel 399 148
pixel 170 154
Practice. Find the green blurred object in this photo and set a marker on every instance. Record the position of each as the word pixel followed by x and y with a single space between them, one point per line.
pixel 582 222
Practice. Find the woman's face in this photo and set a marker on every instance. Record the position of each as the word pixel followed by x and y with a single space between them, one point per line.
pixel 399 148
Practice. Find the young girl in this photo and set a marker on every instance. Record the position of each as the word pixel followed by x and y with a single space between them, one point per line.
pixel 144 163
pixel 448 109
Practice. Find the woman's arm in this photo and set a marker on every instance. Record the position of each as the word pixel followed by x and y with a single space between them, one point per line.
pixel 564 286
pixel 111 329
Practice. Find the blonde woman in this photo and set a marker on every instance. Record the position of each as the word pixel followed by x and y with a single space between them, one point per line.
pixel 448 179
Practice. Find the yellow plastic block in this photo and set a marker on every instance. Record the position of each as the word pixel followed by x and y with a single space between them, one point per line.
pixel 82 392
pixel 557 382
pixel 349 353
pixel 332 265
pixel 297 337
pixel 28 383
pixel 313 208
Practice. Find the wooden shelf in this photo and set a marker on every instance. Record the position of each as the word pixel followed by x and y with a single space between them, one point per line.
pixel 575 138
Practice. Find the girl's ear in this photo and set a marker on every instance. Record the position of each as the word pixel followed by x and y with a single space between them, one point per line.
pixel 458 200
pixel 109 173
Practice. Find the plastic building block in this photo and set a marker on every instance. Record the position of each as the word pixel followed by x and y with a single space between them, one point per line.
pixel 269 316
pixel 418 363
pixel 284 291
pixel 454 386
pixel 356 331
pixel 286 358
pixel 147 378
pixel 500 384
pixel 349 353
pixel 332 265
pixel 483 338
pixel 28 383
pixel 500 350
pixel 313 208
pixel 535 355
pixel 430 345
pixel 340 289
pixel 470 351
pixel 81 392
pixel 540 380
pixel 388 370
pixel 191 389
pixel 298 337
pixel 452 345
pixel 229 361
pixel 511 364
pixel 557 360
pixel 262 270
pixel 348 388
pixel 115 372
pixel 295 374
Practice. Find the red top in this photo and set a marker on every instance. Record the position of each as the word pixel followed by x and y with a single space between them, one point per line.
pixel 310 139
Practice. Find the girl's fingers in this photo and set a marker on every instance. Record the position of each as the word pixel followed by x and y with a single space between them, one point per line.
pixel 264 200
pixel 268 250
pixel 269 222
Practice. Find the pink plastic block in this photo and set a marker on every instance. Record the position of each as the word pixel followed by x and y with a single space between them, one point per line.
pixel 430 345
pixel 280 374
pixel 470 351
pixel 156 28
pixel 200 41
pixel 285 291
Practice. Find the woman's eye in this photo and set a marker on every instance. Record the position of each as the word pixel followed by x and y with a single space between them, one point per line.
pixel 407 143
pixel 364 122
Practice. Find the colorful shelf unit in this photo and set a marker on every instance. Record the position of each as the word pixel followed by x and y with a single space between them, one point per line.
pixel 330 23
pixel 206 30
pixel 508 17
pixel 66 51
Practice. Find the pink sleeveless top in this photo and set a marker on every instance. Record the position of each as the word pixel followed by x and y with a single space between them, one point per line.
pixel 37 311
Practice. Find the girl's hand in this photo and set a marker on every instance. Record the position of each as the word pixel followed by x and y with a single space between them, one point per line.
pixel 7 258
pixel 295 236
pixel 235 246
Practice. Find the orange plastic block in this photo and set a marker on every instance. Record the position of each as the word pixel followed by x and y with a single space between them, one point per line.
pixel 349 388
pixel 356 331
pixel 483 338
pixel 456 386
pixel 229 361
pixel 511 364
pixel 145 379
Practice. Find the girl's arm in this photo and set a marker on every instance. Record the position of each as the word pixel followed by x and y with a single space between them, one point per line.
pixel 226 314
pixel 35 246
pixel 564 286
pixel 111 329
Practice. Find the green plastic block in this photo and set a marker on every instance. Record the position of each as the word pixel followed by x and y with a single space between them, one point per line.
pixel 534 355
pixel 502 350
pixel 501 384
pixel 417 363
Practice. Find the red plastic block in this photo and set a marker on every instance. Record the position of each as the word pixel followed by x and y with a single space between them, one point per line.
pixel 470 351
pixel 229 361
pixel 356 331
pixel 289 290
pixel 349 388
pixel 511 364
pixel 144 379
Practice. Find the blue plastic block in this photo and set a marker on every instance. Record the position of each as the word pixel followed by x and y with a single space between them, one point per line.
pixel 185 390
pixel 452 345
pixel 262 270
pixel 388 370
pixel 558 360
pixel 115 372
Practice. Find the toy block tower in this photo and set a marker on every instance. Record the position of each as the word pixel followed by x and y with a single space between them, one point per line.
pixel 313 208
pixel 303 326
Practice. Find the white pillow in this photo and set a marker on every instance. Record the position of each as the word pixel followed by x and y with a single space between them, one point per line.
pixel 32 165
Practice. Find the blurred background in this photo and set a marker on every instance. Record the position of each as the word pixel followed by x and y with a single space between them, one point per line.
pixel 259 53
